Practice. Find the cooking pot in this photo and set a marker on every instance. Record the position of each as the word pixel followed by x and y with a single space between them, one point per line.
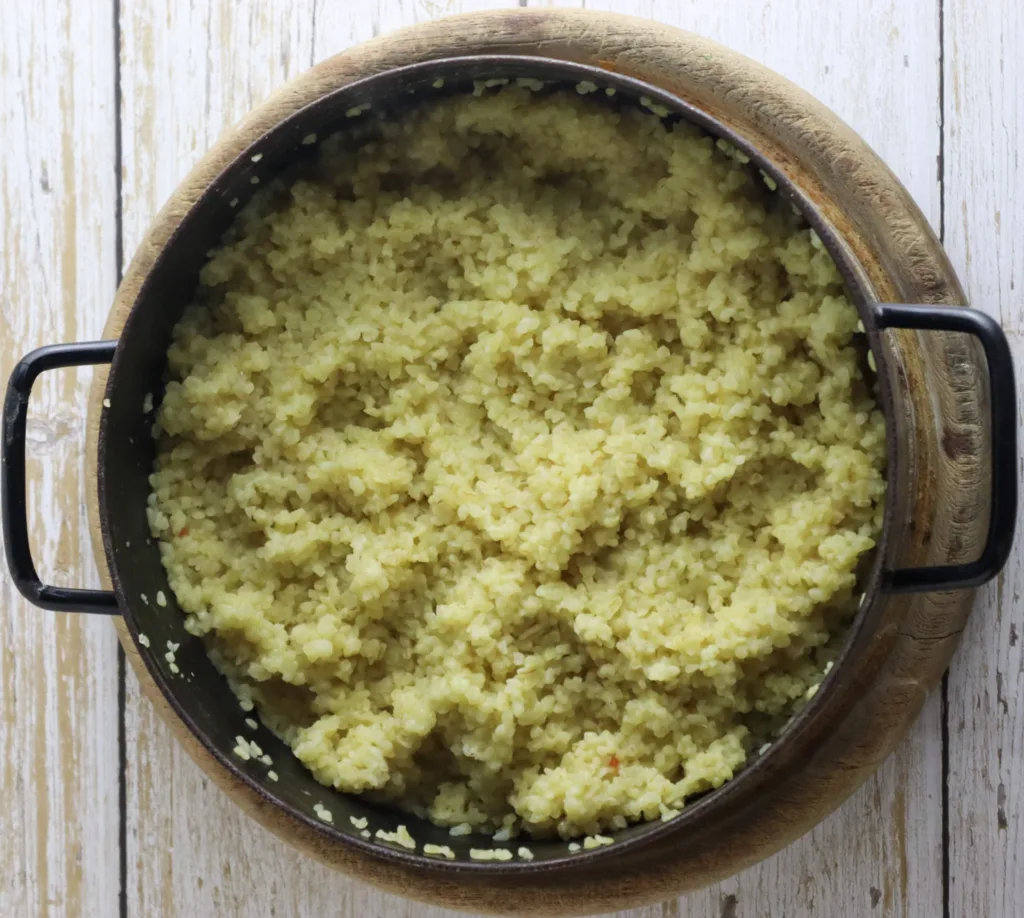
pixel 940 395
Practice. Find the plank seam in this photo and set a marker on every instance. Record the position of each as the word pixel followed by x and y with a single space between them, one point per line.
pixel 312 35
pixel 942 126
pixel 122 739
pixel 944 707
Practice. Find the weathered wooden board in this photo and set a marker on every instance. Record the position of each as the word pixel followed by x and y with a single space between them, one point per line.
pixel 58 674
pixel 876 64
pixel 186 71
pixel 985 239
pixel 904 800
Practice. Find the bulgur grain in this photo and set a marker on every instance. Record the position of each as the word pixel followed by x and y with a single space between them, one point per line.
pixel 490 854
pixel 655 108
pixel 528 433
pixel 400 836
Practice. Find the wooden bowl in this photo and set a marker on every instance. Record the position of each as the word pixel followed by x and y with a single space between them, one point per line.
pixel 938 411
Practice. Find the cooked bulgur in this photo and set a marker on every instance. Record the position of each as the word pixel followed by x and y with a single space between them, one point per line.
pixel 400 836
pixel 518 463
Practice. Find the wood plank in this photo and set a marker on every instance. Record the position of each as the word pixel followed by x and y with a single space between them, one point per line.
pixel 190 851
pixel 187 72
pixel 984 232
pixel 875 63
pixel 223 846
pixel 59 766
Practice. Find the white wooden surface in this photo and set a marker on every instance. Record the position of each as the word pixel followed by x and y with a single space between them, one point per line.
pixel 984 224
pixel 59 819
pixel 934 85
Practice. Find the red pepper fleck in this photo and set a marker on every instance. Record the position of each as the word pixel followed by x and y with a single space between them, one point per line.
pixel 183 532
pixel 613 763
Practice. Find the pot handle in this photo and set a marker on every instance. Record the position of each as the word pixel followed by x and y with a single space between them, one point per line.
pixel 1003 513
pixel 12 478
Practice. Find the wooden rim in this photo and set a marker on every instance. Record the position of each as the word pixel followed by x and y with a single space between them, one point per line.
pixel 876 219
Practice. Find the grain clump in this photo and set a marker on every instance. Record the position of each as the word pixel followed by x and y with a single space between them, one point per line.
pixel 525 462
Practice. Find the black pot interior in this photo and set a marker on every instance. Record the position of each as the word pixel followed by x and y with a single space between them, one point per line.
pixel 197 692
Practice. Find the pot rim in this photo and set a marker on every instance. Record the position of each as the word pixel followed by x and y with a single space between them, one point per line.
pixel 811 722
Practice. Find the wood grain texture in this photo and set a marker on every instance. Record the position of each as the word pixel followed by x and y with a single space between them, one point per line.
pixel 58 674
pixel 190 850
pixel 189 70
pixel 985 238
pixel 889 51
pixel 878 221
